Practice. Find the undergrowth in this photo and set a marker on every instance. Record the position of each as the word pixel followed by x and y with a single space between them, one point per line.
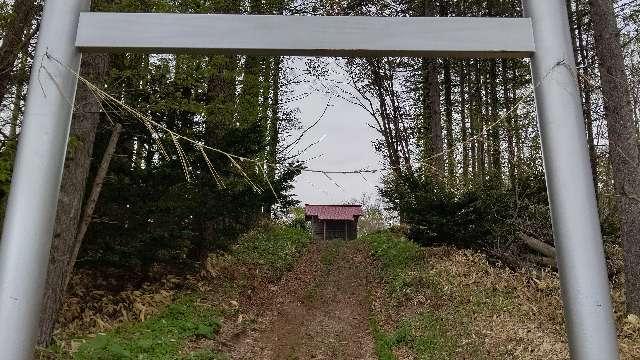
pixel 421 332
pixel 275 247
pixel 161 337
pixel 192 315
pixel 397 256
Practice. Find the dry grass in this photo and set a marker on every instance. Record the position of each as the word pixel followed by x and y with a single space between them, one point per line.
pixel 99 303
pixel 508 315
pixel 487 311
pixel 513 315
pixel 91 309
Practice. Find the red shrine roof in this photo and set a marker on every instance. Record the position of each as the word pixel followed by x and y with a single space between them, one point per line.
pixel 333 212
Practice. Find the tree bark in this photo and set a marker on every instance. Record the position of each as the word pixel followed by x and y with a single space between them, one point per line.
pixel 510 130
pixel 481 136
pixel 543 261
pixel 21 80
pixel 274 124
pixel 518 129
pixel 431 111
pixel 448 120
pixel 494 132
pixel 15 39
pixel 76 170
pixel 623 141
pixel 582 51
pixel 387 123
pixel 539 246
pixel 463 124
pixel 94 195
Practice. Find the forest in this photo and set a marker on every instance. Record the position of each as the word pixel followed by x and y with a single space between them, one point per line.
pixel 180 173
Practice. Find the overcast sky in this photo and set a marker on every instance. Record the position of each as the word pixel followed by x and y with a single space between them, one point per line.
pixel 346 146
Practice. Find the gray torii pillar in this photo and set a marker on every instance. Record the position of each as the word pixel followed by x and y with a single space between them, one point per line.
pixel 576 225
pixel 31 208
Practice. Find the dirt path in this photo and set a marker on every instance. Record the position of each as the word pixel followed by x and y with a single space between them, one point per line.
pixel 320 310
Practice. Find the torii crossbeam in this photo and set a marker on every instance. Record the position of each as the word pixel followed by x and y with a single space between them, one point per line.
pixel 67 29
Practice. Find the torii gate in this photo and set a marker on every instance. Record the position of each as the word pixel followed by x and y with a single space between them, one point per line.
pixel 67 30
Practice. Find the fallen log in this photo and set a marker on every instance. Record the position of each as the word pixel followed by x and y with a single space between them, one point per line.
pixel 538 246
pixel 507 260
pixel 543 260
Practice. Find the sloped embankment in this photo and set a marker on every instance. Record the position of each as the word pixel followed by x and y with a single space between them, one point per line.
pixel 180 316
pixel 381 297
pixel 446 303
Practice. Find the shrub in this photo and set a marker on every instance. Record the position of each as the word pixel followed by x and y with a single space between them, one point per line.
pixel 483 217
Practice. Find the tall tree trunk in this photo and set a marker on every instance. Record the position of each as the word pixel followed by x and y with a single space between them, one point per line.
pixel 431 111
pixel 511 151
pixel 265 92
pixel 517 127
pixel 494 132
pixel 76 170
pixel 21 79
pixel 463 124
pixel 433 116
pixel 385 123
pixel 474 94
pixel 94 195
pixel 274 123
pixel 249 98
pixel 448 120
pixel 623 141
pixel 583 52
pixel 482 166
pixel 587 93
pixel 15 39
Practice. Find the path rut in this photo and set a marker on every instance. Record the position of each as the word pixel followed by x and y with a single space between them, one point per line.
pixel 320 310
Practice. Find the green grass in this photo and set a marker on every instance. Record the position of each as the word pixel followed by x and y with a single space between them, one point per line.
pixel 276 247
pixel 396 253
pixel 385 343
pixel 330 254
pixel 430 340
pixel 398 257
pixel 165 336
pixel 160 337
pixel 404 270
pixel 423 334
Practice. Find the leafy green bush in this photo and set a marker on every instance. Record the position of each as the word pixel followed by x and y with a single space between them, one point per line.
pixel 299 220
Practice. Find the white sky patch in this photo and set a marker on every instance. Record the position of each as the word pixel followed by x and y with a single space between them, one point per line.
pixel 346 145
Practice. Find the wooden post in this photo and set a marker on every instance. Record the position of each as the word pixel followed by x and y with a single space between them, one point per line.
pixel 325 230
